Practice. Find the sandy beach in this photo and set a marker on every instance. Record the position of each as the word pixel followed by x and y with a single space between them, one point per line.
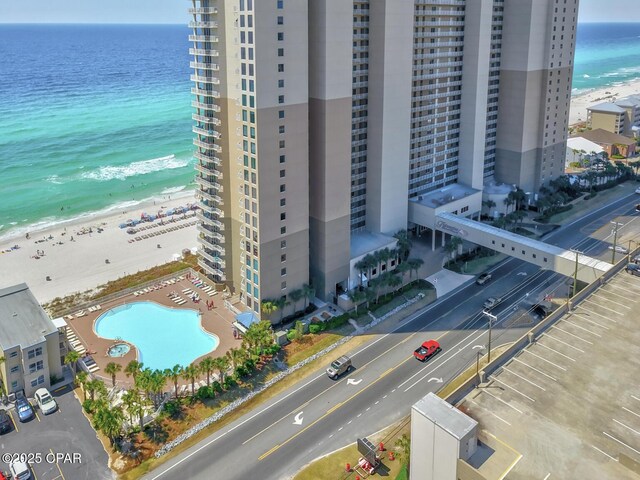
pixel 80 264
pixel 579 104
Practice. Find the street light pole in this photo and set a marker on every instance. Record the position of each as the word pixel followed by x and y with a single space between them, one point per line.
pixel 492 318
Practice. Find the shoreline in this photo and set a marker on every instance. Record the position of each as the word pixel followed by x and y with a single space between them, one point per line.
pixel 579 103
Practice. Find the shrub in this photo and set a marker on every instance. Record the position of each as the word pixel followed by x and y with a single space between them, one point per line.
pixel 249 364
pixel 292 335
pixel 205 392
pixel 229 382
pixel 241 371
pixel 88 405
pixel 173 408
pixel 216 387
pixel 315 328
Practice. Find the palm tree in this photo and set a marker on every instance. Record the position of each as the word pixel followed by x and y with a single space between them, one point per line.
pixel 137 410
pixel 371 294
pixel 129 400
pixel 394 281
pixel 404 444
pixel 295 296
pixel 404 243
pixel 133 368
pixel 109 421
pixel 268 307
pixel 258 336
pixel 190 373
pixel 81 379
pixel 309 292
pixel 92 386
pixel 70 359
pixel 376 284
pixel 207 366
pixel 362 267
pixel 508 202
pixel 383 257
pixel 174 374
pixel 402 268
pixel 111 369
pixel 222 365
pixel 236 357
pixel 281 303
pixel 356 296
pixel 414 265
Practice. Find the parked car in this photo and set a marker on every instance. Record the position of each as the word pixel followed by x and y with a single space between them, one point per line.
pixel 638 207
pixel 20 471
pixel 427 350
pixel 541 310
pixel 619 249
pixel 483 278
pixel 491 302
pixel 638 190
pixel 339 366
pixel 45 401
pixel 5 422
pixel 636 259
pixel 633 269
pixel 24 409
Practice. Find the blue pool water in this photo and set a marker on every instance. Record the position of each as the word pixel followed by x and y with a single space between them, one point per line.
pixel 164 336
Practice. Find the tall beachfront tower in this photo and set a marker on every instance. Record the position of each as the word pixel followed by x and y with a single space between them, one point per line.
pixel 251 125
pixel 325 126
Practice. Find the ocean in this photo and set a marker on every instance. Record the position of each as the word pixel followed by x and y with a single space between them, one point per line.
pixel 98 117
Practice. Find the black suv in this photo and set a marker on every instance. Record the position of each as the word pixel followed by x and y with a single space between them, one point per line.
pixel 5 422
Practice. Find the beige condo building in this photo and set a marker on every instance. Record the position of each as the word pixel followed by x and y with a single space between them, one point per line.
pixel 323 127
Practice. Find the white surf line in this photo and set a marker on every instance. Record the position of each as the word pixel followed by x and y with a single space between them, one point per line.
pixel 582 328
pixel 573 335
pixel 584 317
pixel 547 335
pixel 587 300
pixel 621 442
pixel 555 351
pixel 523 378
pixel 631 412
pixel 495 379
pixel 489 411
pixel 535 369
pixel 545 360
pixel 626 426
pixel 484 390
pixel 591 312
pixel 599 295
pixel 604 453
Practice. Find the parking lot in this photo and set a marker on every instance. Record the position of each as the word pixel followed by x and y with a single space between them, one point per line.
pixel 61 445
pixel 568 406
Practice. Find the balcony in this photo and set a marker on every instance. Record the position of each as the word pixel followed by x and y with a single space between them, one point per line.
pixel 204 52
pixel 209 221
pixel 204 182
pixel 206 158
pixel 212 246
pixel 205 66
pixel 211 197
pixel 218 238
pixel 210 174
pixel 203 11
pixel 209 231
pixel 205 106
pixel 211 209
pixel 204 38
pixel 206 133
pixel 210 269
pixel 203 119
pixel 217 261
pixel 203 24
pixel 208 146
pixel 201 79
pixel 205 92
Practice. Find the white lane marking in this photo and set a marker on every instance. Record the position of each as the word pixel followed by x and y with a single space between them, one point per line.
pixel 377 402
pixel 523 378
pixel 599 295
pixel 393 390
pixel 582 328
pixel 626 426
pixel 297 420
pixel 384 397
pixel 591 312
pixel 545 360
pixel 535 369
pixel 547 335
pixel 484 390
pixel 359 415
pixel 621 442
pixel 489 412
pixel 331 435
pixel 573 335
pixel 631 412
pixel 349 422
pixel 586 300
pixel 512 388
pixel 584 317
pixel 548 475
pixel 351 381
pixel 627 283
pixel 604 453
pixel 340 429
pixel 501 477
pixel 635 398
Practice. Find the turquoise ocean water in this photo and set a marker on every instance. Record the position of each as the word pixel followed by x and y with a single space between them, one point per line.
pixel 94 117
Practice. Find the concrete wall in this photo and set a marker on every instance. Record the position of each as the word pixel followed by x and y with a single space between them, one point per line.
pixel 611 122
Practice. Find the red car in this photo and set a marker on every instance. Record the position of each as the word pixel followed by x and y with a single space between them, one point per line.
pixel 427 350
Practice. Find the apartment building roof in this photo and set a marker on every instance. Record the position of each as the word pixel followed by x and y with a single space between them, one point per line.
pixel 581 143
pixel 601 137
pixel 606 107
pixel 22 320
pixel 630 101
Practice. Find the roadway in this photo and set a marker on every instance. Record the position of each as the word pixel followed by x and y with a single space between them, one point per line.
pixel 318 415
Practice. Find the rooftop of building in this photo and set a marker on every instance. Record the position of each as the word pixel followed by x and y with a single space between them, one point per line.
pixel 445 195
pixel 630 101
pixel 568 406
pixel 606 107
pixel 601 137
pixel 581 143
pixel 497 188
pixel 445 415
pixel 364 242
pixel 22 320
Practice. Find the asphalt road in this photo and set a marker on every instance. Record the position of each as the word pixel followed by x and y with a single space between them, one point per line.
pixel 318 415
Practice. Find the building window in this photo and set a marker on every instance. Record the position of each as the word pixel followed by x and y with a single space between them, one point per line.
pixel 280 83
pixel 13 354
pixel 281 143
pixel 283 244
pixel 280 20
pixel 280 113
pixel 283 257
pixel 39 365
pixel 281 67
pixel 15 369
pixel 283 272
pixel 281 129
pixel 34 352
pixel 282 173
pixel 283 202
pixel 280 36
pixel 280 98
pixel 283 285
pixel 282 158
pixel 282 188
pixel 14 385
pixel 283 230
pixel 281 52
pixel 283 215
pixel 280 4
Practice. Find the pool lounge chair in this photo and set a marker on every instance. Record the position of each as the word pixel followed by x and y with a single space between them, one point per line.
pixel 181 301
pixel 94 368
pixel 186 290
pixel 211 294
pixel 81 313
pixel 208 288
pixel 69 317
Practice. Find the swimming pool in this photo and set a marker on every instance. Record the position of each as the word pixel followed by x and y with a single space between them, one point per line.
pixel 163 336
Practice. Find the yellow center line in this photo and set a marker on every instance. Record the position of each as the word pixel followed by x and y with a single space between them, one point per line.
pixel 34 411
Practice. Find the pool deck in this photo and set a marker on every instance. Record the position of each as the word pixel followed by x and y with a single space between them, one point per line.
pixel 218 321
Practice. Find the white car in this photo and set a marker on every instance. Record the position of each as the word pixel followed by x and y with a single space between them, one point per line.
pixel 45 401
pixel 619 249
pixel 20 471
pixel 638 190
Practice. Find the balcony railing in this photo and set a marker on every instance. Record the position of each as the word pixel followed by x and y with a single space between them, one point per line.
pixel 205 106
pixel 206 133
pixel 205 157
pixel 205 93
pixel 201 79
pixel 210 221
pixel 211 269
pixel 211 209
pixel 203 24
pixel 208 146
pixel 203 11
pixel 209 172
pixel 204 119
pixel 204 38
pixel 217 261
pixel 205 66
pixel 212 246
pixel 211 197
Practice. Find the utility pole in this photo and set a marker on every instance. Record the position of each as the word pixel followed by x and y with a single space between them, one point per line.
pixel 492 318
pixel 575 274
pixel 615 241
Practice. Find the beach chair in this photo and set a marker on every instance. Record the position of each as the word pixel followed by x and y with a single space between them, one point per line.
pixel 208 288
pixel 211 294
pixel 81 313
pixel 186 290
pixel 98 307
pixel 94 368
pixel 181 277
pixel 69 317
pixel 90 309
pixel 182 301
pixel 135 294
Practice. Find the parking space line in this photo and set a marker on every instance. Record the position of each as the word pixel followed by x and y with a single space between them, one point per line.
pixel 514 463
pixel 626 426
pixel 621 442
pixel 528 350
pixel 591 312
pixel 15 425
pixel 611 292
pixel 569 333
pixel 535 369
pixel 584 317
pixel 484 390
pixel 582 328
pixel 555 351
pixel 489 411
pixel 546 334
pixel 523 378
pixel 586 300
pixel 626 283
pixel 611 301
pixel 631 412
pixel 604 453
pixel 635 398
pixel 36 413
pixel 512 388
pixel 546 478
pixel 57 465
